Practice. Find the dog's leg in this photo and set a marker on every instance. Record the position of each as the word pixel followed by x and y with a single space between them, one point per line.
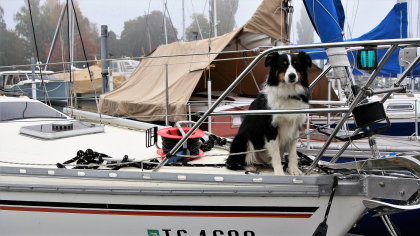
pixel 293 158
pixel 237 162
pixel 273 149
pixel 282 153
pixel 251 158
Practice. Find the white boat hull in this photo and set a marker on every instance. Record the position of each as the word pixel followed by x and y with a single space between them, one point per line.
pixel 87 214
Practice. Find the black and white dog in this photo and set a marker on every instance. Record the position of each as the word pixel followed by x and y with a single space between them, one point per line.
pixel 286 88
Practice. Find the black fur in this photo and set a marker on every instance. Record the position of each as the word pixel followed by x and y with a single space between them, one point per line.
pixel 255 128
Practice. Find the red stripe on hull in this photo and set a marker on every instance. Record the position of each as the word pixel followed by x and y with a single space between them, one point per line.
pixel 149 213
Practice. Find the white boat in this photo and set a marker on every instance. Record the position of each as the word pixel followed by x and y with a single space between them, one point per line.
pixel 48 87
pixel 124 67
pixel 136 195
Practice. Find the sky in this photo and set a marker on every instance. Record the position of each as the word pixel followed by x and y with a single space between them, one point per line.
pixel 361 15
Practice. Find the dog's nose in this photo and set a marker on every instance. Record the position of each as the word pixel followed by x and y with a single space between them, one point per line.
pixel 292 77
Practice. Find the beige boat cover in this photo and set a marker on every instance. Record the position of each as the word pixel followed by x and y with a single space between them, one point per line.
pixel 269 19
pixel 83 83
pixel 143 95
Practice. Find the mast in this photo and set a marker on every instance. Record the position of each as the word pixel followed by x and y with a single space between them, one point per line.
pixel 214 18
pixel 164 21
pixel 183 21
pixel 57 30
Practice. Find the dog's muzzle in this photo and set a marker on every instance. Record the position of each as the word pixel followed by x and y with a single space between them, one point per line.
pixel 292 78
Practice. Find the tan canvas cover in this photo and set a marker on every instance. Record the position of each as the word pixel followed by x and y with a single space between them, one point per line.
pixel 83 83
pixel 269 19
pixel 143 95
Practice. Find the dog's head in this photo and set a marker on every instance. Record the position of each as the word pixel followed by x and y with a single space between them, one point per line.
pixel 289 68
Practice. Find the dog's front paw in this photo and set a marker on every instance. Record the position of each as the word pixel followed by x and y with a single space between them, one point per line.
pixel 278 171
pixel 294 170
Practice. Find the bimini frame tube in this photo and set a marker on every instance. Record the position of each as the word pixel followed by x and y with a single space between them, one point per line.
pixel 393 42
pixel 323 73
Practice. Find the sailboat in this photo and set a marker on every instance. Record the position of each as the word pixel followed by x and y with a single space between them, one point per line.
pixel 71 174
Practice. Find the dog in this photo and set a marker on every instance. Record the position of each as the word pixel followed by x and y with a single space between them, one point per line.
pixel 286 87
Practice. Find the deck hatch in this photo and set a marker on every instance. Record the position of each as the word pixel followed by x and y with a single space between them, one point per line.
pixel 50 131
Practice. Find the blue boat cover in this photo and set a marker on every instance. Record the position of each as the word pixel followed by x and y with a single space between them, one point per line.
pixel 327 17
pixel 393 26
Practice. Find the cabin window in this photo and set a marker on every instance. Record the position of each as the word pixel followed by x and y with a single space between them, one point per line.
pixel 2 81
pixel 115 67
pixel 128 66
pixel 400 107
pixel 23 77
pixel 26 110
pixel 9 79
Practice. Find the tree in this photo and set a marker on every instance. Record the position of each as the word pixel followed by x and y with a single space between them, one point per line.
pixel 114 45
pixel 61 54
pixel 226 10
pixel 12 48
pixel 135 35
pixel 204 27
pixel 305 30
pixel 45 19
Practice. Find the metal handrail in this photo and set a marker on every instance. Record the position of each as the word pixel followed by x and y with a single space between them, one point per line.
pixel 393 42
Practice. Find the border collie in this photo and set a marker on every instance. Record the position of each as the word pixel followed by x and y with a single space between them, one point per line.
pixel 285 88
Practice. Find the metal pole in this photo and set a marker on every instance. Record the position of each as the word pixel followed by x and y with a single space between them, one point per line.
pixel 352 106
pixel 72 38
pixel 320 76
pixel 215 18
pixel 308 136
pixel 57 30
pixel 329 106
pixel 33 78
pixel 111 79
pixel 104 56
pixel 403 76
pixel 189 111
pixel 167 97
pixel 209 99
pixel 416 119
pixel 183 22
pixel 164 21
pixel 273 112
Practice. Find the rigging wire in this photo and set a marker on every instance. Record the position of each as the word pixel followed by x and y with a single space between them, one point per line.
pixel 37 54
pixel 69 65
pixel 170 19
pixel 138 32
pixel 355 14
pixel 195 16
pixel 230 17
pixel 84 53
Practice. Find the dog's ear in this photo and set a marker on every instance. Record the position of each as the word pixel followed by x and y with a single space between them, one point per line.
pixel 272 57
pixel 305 58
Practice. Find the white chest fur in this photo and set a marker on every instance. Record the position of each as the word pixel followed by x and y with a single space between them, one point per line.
pixel 278 99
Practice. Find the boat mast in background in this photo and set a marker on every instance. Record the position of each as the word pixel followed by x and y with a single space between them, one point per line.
pixel 164 21
pixel 183 22
pixel 215 18
pixel 57 30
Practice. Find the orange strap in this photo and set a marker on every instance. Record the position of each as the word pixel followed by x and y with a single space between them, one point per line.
pixel 207 68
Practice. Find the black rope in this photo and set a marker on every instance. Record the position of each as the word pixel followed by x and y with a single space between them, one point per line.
pixel 209 144
pixel 323 227
pixel 36 48
pixel 193 145
pixel 85 158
